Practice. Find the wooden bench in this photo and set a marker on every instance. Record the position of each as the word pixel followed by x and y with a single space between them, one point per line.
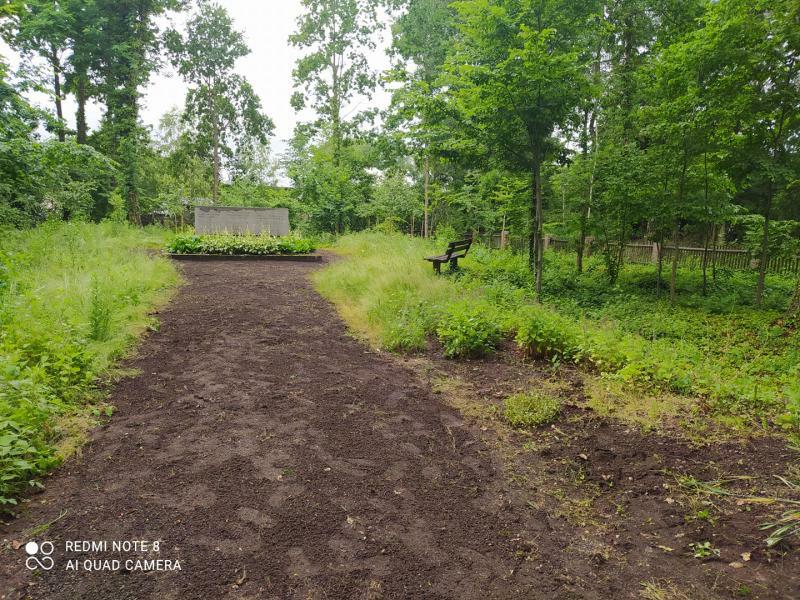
pixel 455 250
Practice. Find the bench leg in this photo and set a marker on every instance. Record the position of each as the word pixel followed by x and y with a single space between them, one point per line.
pixel 454 264
pixel 437 267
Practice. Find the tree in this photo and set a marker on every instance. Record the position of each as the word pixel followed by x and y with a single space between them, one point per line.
pixel 85 43
pixel 751 54
pixel 335 70
pixel 516 75
pixel 421 36
pixel 128 43
pixel 222 106
pixel 330 75
pixel 42 27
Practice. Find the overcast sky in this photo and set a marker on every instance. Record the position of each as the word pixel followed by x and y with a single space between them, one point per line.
pixel 267 25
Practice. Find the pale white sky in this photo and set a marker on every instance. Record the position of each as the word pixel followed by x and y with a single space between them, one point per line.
pixel 267 25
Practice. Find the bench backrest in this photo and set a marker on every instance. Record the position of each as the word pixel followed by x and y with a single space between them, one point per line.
pixel 459 248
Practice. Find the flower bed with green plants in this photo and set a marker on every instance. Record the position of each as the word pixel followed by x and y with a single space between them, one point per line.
pixel 73 299
pixel 245 245
pixel 719 349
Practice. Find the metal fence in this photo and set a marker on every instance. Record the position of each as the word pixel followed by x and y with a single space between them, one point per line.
pixel 645 252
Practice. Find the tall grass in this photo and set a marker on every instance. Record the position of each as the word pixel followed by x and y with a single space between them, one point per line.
pixel 73 299
pixel 718 349
pixel 385 290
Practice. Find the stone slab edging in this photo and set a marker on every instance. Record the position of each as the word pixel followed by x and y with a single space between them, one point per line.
pixel 203 257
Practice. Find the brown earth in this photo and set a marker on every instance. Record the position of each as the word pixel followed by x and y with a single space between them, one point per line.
pixel 275 456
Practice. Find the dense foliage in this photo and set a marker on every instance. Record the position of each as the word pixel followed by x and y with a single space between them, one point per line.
pixel 72 298
pixel 671 122
pixel 223 243
pixel 105 52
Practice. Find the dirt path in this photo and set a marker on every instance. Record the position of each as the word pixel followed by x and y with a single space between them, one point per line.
pixel 276 457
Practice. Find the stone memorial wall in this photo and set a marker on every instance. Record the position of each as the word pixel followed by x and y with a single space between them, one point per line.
pixel 236 219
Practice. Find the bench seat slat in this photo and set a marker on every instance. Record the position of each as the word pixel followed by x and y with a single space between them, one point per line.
pixel 455 250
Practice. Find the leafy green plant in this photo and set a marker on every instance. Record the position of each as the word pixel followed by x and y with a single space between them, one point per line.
pixel 531 410
pixel 409 330
pixel 790 420
pixel 544 334
pixel 703 550
pixel 468 330
pixel 787 526
pixel 224 243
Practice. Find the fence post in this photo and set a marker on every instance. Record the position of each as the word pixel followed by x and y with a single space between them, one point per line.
pixel 655 253
pixel 503 239
pixel 546 242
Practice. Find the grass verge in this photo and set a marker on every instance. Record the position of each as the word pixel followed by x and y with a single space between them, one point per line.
pixel 74 298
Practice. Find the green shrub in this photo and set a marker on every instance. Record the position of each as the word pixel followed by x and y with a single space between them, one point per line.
pixel 530 410
pixel 468 330
pixel 541 333
pixel 408 328
pixel 224 243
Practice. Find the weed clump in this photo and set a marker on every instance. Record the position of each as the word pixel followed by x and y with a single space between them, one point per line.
pixel 530 410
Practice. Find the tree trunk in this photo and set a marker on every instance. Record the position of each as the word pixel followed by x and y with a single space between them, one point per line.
pixel 762 266
pixel 582 235
pixel 57 91
pixel 676 230
pixel 425 231
pixel 586 207
pixel 660 262
pixel 536 233
pixel 80 114
pixel 216 164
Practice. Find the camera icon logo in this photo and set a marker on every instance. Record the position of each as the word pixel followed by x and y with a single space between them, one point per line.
pixel 39 555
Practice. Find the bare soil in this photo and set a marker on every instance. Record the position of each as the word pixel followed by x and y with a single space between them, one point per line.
pixel 275 456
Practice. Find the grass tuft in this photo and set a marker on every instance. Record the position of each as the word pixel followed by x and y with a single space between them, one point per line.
pixel 530 410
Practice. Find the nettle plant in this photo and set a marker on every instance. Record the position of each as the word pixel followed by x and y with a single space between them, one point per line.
pixel 468 331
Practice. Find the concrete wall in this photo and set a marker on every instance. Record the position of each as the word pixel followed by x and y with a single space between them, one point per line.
pixel 235 219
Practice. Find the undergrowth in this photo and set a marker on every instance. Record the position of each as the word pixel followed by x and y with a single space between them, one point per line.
pixel 717 348
pixel 73 298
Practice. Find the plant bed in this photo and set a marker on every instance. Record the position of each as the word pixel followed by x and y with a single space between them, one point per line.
pixel 254 257
pixel 224 245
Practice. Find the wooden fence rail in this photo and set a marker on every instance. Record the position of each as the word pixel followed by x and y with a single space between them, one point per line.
pixel 645 252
